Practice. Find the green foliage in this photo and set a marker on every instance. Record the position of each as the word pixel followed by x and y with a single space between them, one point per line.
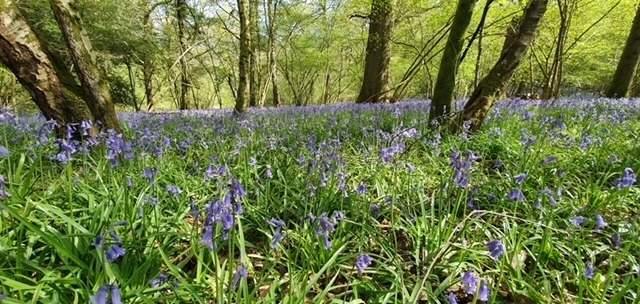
pixel 423 238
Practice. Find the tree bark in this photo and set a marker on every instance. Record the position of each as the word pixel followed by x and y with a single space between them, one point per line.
pixel 254 73
pixel 482 99
pixel 446 81
pixel 375 83
pixel 22 53
pixel 551 88
pixel 273 70
pixel 244 58
pixel 181 12
pixel 81 53
pixel 628 64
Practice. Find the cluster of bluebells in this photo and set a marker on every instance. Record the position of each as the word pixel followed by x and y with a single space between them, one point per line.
pixel 221 213
pixel 278 236
pixel 363 261
pixel 240 273
pixel 462 165
pixel 118 148
pixel 516 193
pixel 115 251
pixel 627 180
pixel 108 294
pixel 325 225
pixel 470 286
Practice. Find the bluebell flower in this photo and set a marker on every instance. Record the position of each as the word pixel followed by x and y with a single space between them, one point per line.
pixel 616 240
pixel 101 296
pixel 116 297
pixel 517 195
pixel 115 252
pixel 150 174
pixel 240 273
pixel 600 222
pixel 362 189
pixel 194 211
pixel 470 282
pixel 4 152
pixel 496 249
pixel 159 280
pixel 277 235
pixel 549 160
pixel 363 261
pixel 453 299
pixel 207 237
pixel 520 178
pixel 98 241
pixel 374 209
pixel 174 190
pixel 589 271
pixel 627 180
pixel 325 225
pixel 578 221
pixel 549 195
pixel 484 292
pixel 462 167
pixel 268 173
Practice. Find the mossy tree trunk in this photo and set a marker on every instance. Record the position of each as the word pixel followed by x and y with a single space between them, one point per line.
pixel 244 57
pixel 628 64
pixel 22 53
pixel 375 83
pixel 442 101
pixel 83 57
pixel 483 97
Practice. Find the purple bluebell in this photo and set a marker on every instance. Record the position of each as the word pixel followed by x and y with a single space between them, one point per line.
pixel 453 299
pixel 578 221
pixel 115 252
pixel 268 173
pixel 462 167
pixel 116 296
pixel 616 240
pixel 325 225
pixel 240 273
pixel 4 152
pixel 470 282
pixel 374 209
pixel 362 189
pixel 159 280
pixel 363 261
pixel 600 222
pixel 278 225
pixel 589 271
pixel 520 178
pixel 496 249
pixel 517 195
pixel 549 160
pixel 485 292
pixel 99 240
pixel 627 180
pixel 207 237
pixel 101 296
pixel 549 195
pixel 150 174
pixel 174 190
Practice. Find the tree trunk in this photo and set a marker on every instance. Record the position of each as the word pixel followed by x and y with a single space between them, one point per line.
pixel 81 53
pixel 446 81
pixel 375 83
pixel 132 87
pixel 22 53
pixel 254 73
pixel 551 88
pixel 623 77
pixel 484 95
pixel 273 70
pixel 181 12
pixel 244 58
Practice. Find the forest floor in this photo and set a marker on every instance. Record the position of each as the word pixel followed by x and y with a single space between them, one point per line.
pixel 341 204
